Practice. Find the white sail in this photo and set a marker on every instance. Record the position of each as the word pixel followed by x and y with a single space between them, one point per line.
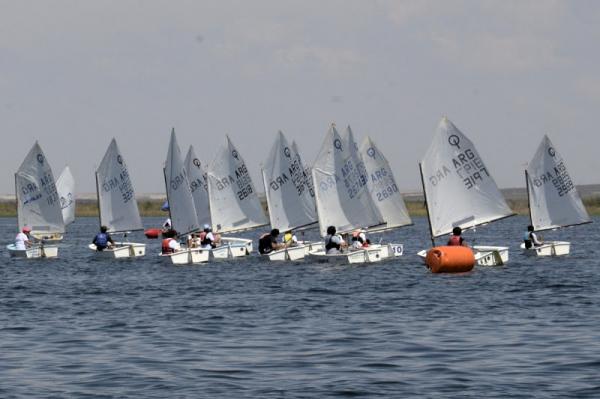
pixel 116 196
pixel 38 203
pixel 179 195
pixel 553 199
pixel 341 191
pixel 382 186
pixel 289 200
pixel 198 186
pixel 459 188
pixel 307 175
pixel 234 204
pixel 65 186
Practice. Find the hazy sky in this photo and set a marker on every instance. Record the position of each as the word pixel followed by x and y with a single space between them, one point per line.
pixel 74 74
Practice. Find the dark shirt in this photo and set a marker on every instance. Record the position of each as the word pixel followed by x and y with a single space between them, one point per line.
pixel 265 243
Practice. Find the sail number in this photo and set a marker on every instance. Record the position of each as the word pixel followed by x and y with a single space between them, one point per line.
pixel 387 192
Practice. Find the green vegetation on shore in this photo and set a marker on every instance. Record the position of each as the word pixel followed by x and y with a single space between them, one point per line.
pixel 152 207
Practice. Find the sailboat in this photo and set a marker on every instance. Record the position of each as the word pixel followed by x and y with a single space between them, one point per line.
pixel 342 197
pixel 290 204
pixel 384 193
pixel 65 186
pixel 460 191
pixel 552 197
pixel 38 205
pixel 197 178
pixel 117 206
pixel 182 210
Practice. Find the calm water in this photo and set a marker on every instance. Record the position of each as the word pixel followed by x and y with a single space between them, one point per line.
pixel 81 327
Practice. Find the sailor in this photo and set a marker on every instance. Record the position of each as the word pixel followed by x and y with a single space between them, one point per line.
pixel 268 242
pixel 103 240
pixel 530 238
pixel 194 240
pixel 22 239
pixel 334 243
pixel 290 239
pixel 170 245
pixel 207 238
pixel 359 238
pixel 167 224
pixel 455 238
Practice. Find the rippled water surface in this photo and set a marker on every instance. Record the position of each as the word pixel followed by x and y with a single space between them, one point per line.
pixel 82 327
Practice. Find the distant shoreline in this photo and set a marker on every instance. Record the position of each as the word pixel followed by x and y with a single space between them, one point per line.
pixel 151 207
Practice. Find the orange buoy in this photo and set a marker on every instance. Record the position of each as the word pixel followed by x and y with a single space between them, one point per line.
pixel 152 233
pixel 450 259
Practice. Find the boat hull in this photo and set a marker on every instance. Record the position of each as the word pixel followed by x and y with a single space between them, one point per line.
pixel 366 255
pixel 291 253
pixel 231 248
pixel 121 250
pixel 187 256
pixel 551 248
pixel 35 252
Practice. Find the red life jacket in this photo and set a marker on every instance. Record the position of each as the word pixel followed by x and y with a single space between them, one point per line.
pixel 166 249
pixel 455 240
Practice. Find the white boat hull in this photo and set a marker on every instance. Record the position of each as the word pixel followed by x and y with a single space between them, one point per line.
pixel 551 248
pixel 46 251
pixel 291 253
pixel 121 250
pixel 366 255
pixel 187 256
pixel 390 250
pixel 484 255
pixel 231 247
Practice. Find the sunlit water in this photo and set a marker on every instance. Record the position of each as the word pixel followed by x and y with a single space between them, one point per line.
pixel 82 327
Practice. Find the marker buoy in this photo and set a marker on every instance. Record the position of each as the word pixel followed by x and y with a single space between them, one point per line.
pixel 450 259
pixel 152 233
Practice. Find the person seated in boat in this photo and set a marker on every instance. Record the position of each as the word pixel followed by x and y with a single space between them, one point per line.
pixel 207 238
pixel 367 243
pixel 456 239
pixel 268 242
pixel 359 237
pixel 194 241
pixel 334 243
pixel 22 241
pixel 530 238
pixel 289 239
pixel 103 240
pixel 170 245
pixel 167 225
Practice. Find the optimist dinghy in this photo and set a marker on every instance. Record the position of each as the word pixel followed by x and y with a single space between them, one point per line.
pixel 38 206
pixel 460 191
pixel 290 203
pixel 342 197
pixel 234 204
pixel 553 200
pixel 182 210
pixel 117 205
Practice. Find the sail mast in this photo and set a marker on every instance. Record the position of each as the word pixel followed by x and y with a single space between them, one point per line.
pixel 528 199
pixel 98 200
pixel 427 206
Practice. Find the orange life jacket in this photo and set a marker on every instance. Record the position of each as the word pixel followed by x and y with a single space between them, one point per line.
pixel 166 249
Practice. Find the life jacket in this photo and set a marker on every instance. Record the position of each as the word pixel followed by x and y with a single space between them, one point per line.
pixel 166 249
pixel 287 238
pixel 455 240
pixel 101 240
pixel 205 240
pixel 527 240
pixel 330 244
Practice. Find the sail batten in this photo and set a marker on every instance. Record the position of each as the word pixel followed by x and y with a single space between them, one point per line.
pixel 234 203
pixel 116 196
pixel 553 198
pixel 38 202
pixel 459 188
pixel 290 203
